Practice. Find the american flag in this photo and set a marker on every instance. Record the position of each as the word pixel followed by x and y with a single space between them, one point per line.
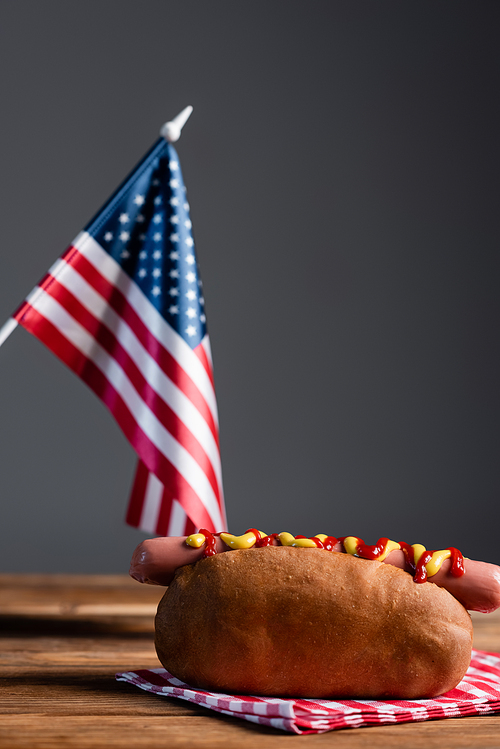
pixel 123 307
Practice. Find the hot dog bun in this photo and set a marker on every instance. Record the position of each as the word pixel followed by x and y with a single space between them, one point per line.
pixel 306 622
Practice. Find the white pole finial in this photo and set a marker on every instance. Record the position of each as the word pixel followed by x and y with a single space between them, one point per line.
pixel 171 131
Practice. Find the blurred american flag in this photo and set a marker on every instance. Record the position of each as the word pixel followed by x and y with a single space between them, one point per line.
pixel 124 309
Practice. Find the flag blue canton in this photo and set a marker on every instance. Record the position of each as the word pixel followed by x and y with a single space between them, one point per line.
pixel 146 228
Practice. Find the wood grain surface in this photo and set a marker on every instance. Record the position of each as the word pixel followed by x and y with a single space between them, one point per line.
pixel 64 637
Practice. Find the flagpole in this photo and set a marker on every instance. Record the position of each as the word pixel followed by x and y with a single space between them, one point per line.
pixel 7 328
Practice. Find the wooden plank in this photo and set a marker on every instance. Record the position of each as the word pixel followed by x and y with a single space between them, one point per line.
pixel 76 596
pixel 487 631
pixel 39 731
pixel 58 687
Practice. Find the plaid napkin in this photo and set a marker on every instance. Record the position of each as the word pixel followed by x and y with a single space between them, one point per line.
pixel 477 694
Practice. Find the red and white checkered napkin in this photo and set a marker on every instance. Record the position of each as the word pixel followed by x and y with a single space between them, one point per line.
pixel 478 693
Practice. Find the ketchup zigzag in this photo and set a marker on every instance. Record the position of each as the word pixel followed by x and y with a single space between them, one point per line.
pixel 420 562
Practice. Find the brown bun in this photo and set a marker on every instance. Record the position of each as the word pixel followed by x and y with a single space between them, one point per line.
pixel 293 622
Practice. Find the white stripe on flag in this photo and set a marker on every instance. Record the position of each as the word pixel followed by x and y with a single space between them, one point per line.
pixel 152 503
pixel 177 520
pixel 149 315
pixel 145 418
pixel 184 409
pixel 208 349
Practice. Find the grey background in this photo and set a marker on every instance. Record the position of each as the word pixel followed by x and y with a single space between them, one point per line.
pixel 342 166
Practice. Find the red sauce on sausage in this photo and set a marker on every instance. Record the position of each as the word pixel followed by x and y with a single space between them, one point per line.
pixel 409 553
pixel 255 533
pixel 318 543
pixel 329 542
pixel 420 575
pixel 372 552
pixel 457 562
pixel 365 551
pixel 267 540
pixel 418 570
pixel 210 549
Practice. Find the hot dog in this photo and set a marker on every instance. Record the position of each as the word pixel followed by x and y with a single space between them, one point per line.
pixel 156 560
pixel 303 622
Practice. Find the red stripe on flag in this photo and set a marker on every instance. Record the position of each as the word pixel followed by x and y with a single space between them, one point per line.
pixel 202 356
pixel 165 360
pixel 136 502
pixel 156 462
pixel 174 425
pixel 164 514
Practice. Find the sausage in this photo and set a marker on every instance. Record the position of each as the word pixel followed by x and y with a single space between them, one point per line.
pixel 155 561
pixel 477 590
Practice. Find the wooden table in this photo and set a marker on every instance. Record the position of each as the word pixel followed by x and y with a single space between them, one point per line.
pixel 64 637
